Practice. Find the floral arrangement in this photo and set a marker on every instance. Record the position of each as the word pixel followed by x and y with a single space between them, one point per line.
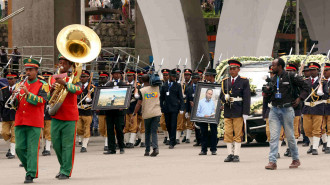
pixel 297 59
pixel 256 107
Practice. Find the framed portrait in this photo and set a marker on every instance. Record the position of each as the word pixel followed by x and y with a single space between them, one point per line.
pixel 207 103
pixel 108 98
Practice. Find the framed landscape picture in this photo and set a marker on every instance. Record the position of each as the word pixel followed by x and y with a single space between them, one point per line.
pixel 108 98
pixel 207 103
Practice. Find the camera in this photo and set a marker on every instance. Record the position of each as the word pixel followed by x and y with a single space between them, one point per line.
pixel 268 87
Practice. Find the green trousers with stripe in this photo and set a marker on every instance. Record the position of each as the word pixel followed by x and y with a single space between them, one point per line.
pixel 63 134
pixel 27 148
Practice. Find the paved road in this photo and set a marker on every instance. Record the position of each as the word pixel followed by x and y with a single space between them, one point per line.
pixel 181 166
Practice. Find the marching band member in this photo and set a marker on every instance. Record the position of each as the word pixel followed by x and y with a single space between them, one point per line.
pixel 47 120
pixel 8 115
pixel 103 79
pixel 64 122
pixel 30 119
pixel 84 108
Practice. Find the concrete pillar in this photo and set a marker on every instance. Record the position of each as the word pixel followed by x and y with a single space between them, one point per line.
pixel 317 18
pixel 167 31
pixel 248 28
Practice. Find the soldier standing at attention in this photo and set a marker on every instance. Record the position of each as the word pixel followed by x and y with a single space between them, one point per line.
pixel 236 96
pixel 171 102
pixel 30 119
pixel 8 115
pixel 162 123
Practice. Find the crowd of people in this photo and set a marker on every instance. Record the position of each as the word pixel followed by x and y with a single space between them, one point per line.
pixel 168 105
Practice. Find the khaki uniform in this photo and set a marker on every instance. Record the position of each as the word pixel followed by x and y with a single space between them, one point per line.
pixel 102 125
pixel 312 125
pixel 184 123
pixel 130 128
pixel 8 131
pixel 233 130
pixel 140 122
pixel 46 130
pixel 296 123
pixel 83 126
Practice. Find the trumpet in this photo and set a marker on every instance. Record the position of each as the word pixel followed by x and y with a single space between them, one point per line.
pixel 10 102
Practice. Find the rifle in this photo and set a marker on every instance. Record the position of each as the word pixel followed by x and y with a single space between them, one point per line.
pixel 303 62
pixel 89 90
pixel 216 65
pixel 113 67
pixel 199 63
pixel 151 66
pixel 3 69
pixel 205 70
pixel 182 77
pixel 160 66
pixel 126 64
pixel 135 80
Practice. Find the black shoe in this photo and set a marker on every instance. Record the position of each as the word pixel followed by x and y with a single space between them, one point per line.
pixel 197 144
pixel 171 147
pixel 305 144
pixel 11 156
pixel 142 144
pixel 122 151
pixel 7 154
pixel 137 142
pixel 236 159
pixel 106 148
pixel 315 152
pixel 80 143
pixel 83 149
pixel 195 140
pixel 283 143
pixel 177 141
pixel 214 153
pixel 327 150
pixel 287 152
pixel 324 147
pixel 57 175
pixel 167 142
pixel 109 152
pixel 129 145
pixel 63 177
pixel 28 179
pixel 46 153
pixel 165 139
pixel 278 156
pixel 154 153
pixel 309 151
pixel 21 165
pixel 184 139
pixel 187 140
pixel 202 153
pixel 229 158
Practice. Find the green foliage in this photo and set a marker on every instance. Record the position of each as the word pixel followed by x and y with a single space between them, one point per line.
pixel 210 14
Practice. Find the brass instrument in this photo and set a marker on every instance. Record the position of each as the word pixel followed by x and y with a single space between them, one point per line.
pixel 10 102
pixel 79 44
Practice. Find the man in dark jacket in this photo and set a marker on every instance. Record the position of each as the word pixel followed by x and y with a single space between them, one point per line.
pixel 171 102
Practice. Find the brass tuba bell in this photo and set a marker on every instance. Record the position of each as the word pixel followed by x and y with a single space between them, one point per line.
pixel 78 43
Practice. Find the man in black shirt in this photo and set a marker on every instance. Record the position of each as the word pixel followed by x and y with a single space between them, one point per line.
pixel 281 95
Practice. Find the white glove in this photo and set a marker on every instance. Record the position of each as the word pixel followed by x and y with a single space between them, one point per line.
pixel 184 96
pixel 187 115
pixel 136 96
pixel 88 100
pixel 181 112
pixel 245 117
pixel 227 97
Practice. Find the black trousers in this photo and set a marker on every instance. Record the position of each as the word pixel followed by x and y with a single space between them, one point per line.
pixel 115 122
pixel 204 138
pixel 171 124
pixel 198 134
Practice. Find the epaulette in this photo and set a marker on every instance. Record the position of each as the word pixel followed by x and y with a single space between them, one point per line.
pixel 243 77
pixel 4 87
pixel 225 78
pixel 45 86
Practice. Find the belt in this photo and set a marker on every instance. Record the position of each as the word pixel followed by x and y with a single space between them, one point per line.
pixel 232 99
pixel 327 101
pixel 84 106
pixel 312 104
pixel 286 105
